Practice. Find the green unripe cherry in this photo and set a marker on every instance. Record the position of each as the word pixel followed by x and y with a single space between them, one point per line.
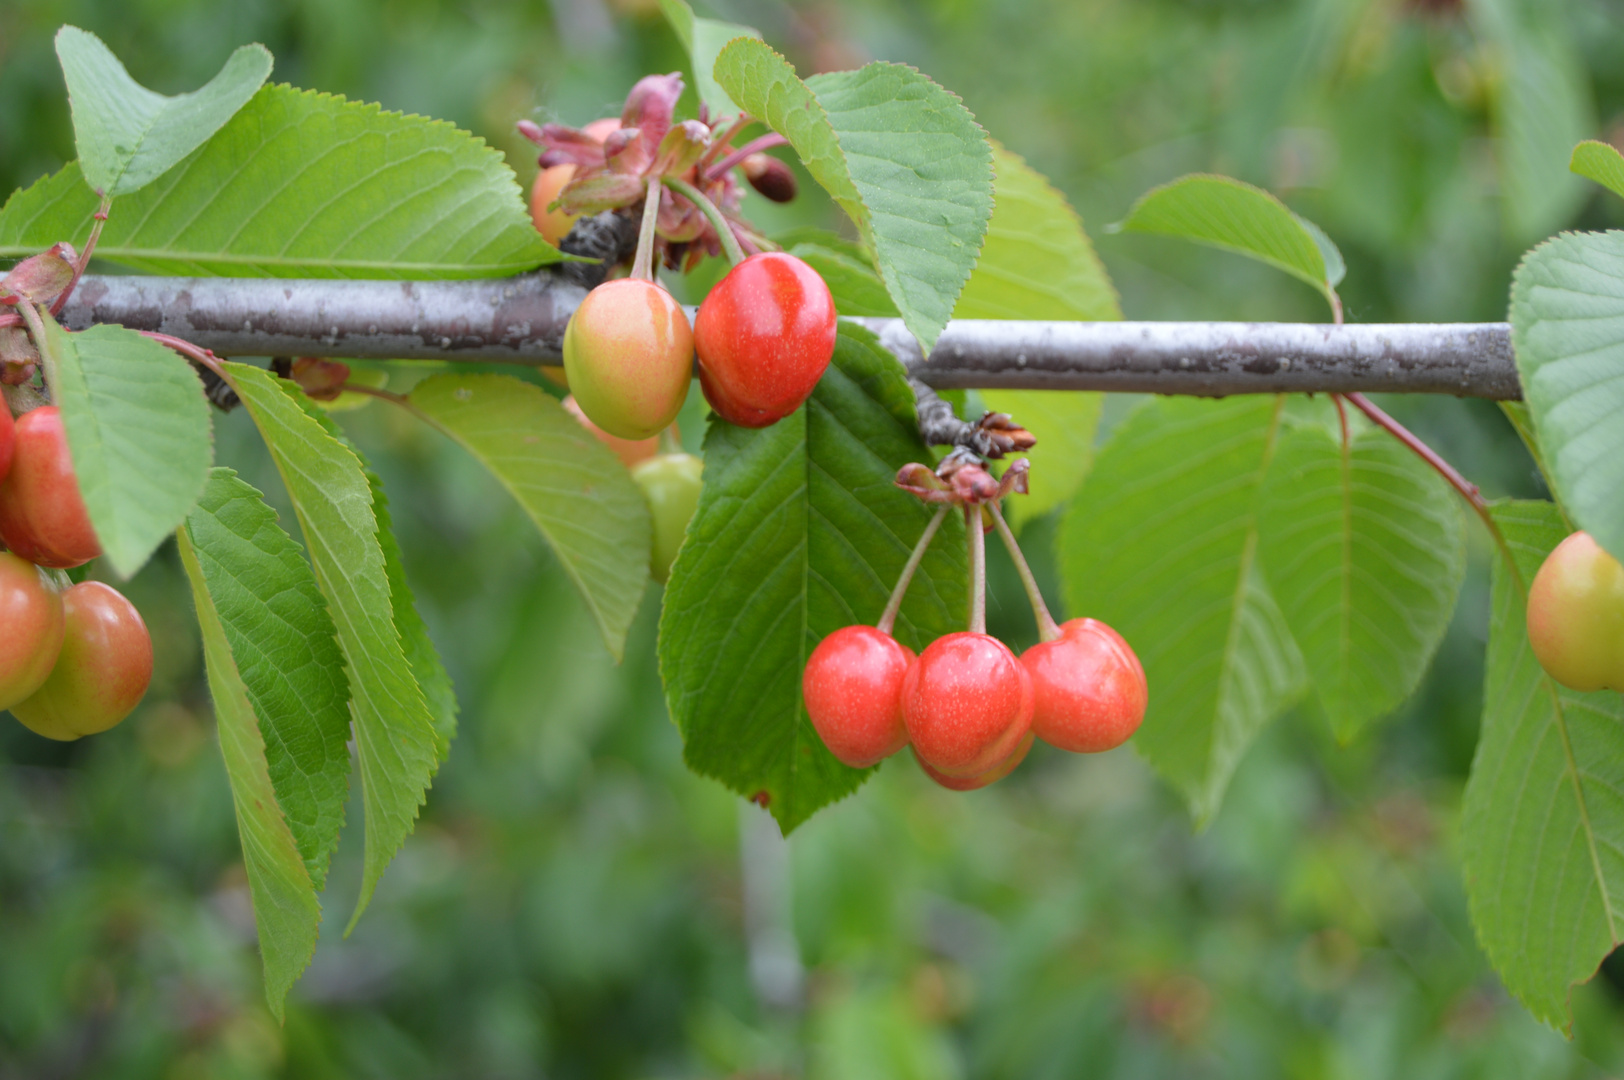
pixel 629 355
pixel 671 484
pixel 1576 615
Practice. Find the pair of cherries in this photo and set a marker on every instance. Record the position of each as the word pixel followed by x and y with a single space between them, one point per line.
pixel 763 336
pixel 968 706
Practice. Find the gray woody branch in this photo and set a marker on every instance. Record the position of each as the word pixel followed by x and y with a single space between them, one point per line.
pixel 521 320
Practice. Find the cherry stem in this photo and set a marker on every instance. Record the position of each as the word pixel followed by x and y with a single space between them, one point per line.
pixel 1048 629
pixel 36 329
pixel 754 146
pixel 668 441
pixel 719 143
pixel 978 569
pixel 888 617
pixel 718 220
pixel 643 264
pixel 1467 489
pixel 188 350
pixel 83 264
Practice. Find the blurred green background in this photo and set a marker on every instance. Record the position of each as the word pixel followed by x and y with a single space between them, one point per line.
pixel 574 903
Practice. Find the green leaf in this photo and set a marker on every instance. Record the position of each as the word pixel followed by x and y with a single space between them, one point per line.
pixel 1542 822
pixel 282 652
pixel 394 732
pixel 138 430
pixel 305 185
pixel 127 135
pixel 1225 213
pixel 848 270
pixel 800 531
pixel 580 497
pixel 703 39
pixel 1161 542
pixel 1038 264
pixel 1364 551
pixel 903 158
pixel 1600 162
pixel 1567 329
pixel 286 912
pixel 1540 107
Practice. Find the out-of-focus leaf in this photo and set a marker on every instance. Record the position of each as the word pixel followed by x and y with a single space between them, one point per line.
pixel 1567 329
pixel 800 531
pixel 305 185
pixel 1542 824
pixel 1600 162
pixel 1161 542
pixel 704 38
pixel 580 497
pixel 138 430
pixel 901 156
pixel 128 136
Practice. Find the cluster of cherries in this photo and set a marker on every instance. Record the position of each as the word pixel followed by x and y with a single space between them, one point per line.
pixel 763 335
pixel 1576 615
pixel 968 706
pixel 73 661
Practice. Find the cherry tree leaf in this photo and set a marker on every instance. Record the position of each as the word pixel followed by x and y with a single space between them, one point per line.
pixel 395 736
pixel 1161 542
pixel 1600 162
pixel 138 431
pixel 279 692
pixel 704 39
pixel 800 531
pixel 1567 331
pixel 1542 822
pixel 127 135
pixel 306 185
pixel 581 498
pixel 901 156
pixel 1364 548
pixel 1235 216
pixel 1038 263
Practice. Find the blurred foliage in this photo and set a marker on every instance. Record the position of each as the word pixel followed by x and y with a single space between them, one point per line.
pixel 574 903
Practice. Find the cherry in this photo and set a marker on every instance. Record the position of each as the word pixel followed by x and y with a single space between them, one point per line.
pixel 966 702
pixel 42 516
pixel 764 336
pixel 671 482
pixel 31 622
pixel 628 354
pixel 1088 688
pixel 979 780
pixel 1576 615
pixel 8 439
pixel 102 671
pixel 629 451
pixel 853 690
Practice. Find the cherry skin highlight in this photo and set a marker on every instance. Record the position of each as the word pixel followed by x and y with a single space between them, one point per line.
pixel 671 483
pixel 967 702
pixel 42 516
pixel 31 624
pixel 764 336
pixel 1088 688
pixel 1576 615
pixel 853 691
pixel 628 354
pixel 980 780
pixel 102 671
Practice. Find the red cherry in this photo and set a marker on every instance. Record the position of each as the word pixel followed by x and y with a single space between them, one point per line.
pixel 8 439
pixel 764 336
pixel 31 624
pixel 980 780
pixel 42 516
pixel 966 702
pixel 1088 688
pixel 853 691
pixel 102 671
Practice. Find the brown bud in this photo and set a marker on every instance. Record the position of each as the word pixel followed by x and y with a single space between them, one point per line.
pixel 322 380
pixel 769 176
pixel 40 278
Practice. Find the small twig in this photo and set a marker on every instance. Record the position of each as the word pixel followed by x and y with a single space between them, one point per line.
pixel 83 264
pixel 1048 629
pixel 754 146
pixel 888 617
pixel 188 350
pixel 718 220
